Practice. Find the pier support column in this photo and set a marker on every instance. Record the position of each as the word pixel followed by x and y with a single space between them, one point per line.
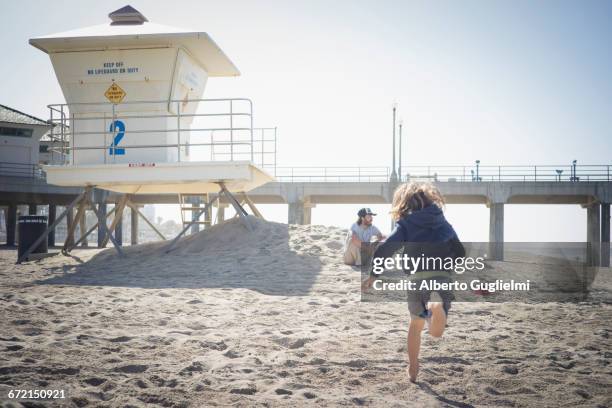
pixel 496 231
pixel 221 211
pixel 133 226
pixel 51 220
pixel 32 208
pixel 11 224
pixel 300 213
pixel 83 229
pixel 69 221
pixel 296 213
pixel 593 235
pixel 605 234
pixel 119 228
pixel 102 211
pixel 195 202
pixel 99 199
pixel 308 212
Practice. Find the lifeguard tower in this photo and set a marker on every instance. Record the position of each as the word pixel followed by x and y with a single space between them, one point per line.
pixel 134 121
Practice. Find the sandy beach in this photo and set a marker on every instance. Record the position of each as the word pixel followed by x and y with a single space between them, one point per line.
pixel 273 318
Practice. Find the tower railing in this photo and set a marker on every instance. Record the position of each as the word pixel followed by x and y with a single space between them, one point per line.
pixel 218 129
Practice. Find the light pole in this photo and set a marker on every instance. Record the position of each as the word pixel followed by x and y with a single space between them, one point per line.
pixel 399 167
pixel 393 173
pixel 477 170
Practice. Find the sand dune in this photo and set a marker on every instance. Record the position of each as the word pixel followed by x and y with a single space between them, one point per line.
pixel 274 318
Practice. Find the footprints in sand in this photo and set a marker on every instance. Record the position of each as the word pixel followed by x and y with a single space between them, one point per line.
pixel 244 390
pixel 131 368
pixel 94 381
pixel 291 343
pixel 194 367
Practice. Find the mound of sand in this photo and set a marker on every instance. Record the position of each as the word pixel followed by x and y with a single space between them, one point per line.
pixel 274 258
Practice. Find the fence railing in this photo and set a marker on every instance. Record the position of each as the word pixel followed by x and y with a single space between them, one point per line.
pixel 544 173
pixel 215 129
pixel 336 173
pixel 573 173
pixel 550 173
pixel 32 171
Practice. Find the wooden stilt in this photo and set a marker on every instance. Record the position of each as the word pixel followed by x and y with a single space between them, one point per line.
pixel 186 228
pixel 149 223
pixel 118 216
pixel 89 231
pixel 251 205
pixel 106 231
pixel 82 227
pixel 239 209
pixel 70 237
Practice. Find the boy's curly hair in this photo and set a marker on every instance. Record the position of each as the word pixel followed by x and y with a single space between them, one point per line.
pixel 414 196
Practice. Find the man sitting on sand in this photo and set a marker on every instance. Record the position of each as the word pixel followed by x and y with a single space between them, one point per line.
pixel 361 231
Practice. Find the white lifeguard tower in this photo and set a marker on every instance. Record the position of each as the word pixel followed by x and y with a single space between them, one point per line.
pixel 133 121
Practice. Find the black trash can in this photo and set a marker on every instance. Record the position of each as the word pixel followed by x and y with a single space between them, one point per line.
pixel 30 228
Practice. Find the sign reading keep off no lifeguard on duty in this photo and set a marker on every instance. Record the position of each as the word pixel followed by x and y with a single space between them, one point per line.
pixel 115 94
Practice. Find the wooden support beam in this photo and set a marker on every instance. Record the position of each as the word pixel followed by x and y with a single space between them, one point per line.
pixel 73 224
pixel 197 217
pixel 89 231
pixel 252 206
pixel 82 227
pixel 135 208
pixel 239 209
pixel 106 231
pixel 118 216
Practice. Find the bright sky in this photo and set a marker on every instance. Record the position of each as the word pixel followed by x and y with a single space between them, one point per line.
pixel 506 82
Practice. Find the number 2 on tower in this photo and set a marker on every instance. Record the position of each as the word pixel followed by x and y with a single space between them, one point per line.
pixel 120 127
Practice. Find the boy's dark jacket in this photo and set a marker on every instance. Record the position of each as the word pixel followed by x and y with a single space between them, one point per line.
pixel 424 232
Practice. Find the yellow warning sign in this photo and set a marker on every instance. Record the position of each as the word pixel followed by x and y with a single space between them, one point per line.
pixel 114 93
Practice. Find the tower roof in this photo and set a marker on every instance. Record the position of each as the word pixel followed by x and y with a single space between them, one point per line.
pixel 127 15
pixel 130 29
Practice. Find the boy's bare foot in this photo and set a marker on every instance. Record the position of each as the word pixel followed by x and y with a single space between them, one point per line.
pixel 413 371
pixel 437 322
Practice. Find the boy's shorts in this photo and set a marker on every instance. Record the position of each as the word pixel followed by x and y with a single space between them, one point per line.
pixel 417 299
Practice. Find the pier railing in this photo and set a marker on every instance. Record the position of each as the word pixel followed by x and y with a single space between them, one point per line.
pixel 267 161
pixel 516 173
pixel 332 174
pixel 573 173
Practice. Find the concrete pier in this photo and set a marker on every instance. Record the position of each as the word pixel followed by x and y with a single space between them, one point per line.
pixel 496 231
pixel 300 212
pixel 593 235
pixel 69 222
pixel 119 229
pixel 82 230
pixel 221 211
pixel 301 197
pixel 605 234
pixel 101 211
pixel 133 227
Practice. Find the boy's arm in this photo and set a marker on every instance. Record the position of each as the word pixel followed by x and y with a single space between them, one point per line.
pixel 386 249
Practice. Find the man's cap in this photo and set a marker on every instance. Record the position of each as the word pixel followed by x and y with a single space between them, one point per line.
pixel 365 211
